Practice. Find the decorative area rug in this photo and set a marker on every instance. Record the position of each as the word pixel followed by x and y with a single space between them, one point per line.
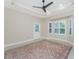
pixel 39 50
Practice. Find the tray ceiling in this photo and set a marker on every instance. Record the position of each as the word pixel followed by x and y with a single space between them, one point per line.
pixel 57 8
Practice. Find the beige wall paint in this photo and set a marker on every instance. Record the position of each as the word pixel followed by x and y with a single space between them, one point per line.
pixel 18 26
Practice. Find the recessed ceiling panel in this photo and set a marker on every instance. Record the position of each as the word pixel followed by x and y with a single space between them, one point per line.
pixel 57 6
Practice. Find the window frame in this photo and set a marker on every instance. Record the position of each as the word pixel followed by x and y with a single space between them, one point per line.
pixel 58 21
pixel 37 24
pixel 53 27
pixel 49 27
pixel 71 25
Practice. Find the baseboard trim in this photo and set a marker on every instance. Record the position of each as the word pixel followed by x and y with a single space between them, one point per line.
pixel 22 43
pixel 60 41
pixel 18 44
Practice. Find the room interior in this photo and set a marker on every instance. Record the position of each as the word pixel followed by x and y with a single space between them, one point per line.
pixel 37 25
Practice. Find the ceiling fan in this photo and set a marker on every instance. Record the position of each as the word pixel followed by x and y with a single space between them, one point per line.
pixel 44 6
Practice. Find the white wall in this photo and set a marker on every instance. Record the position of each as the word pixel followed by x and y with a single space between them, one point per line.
pixel 18 26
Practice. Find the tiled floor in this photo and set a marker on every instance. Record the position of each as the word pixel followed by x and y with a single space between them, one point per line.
pixel 39 50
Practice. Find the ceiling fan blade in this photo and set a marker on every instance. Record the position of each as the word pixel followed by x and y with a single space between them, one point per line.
pixel 36 7
pixel 48 4
pixel 44 9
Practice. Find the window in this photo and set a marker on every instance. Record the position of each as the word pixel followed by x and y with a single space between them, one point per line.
pixel 56 27
pixel 36 28
pixel 59 27
pixel 36 31
pixel 50 27
pixel 70 26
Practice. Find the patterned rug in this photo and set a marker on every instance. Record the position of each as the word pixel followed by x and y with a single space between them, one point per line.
pixel 39 50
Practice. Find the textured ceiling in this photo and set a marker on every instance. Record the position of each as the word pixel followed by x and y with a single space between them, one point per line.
pixel 55 9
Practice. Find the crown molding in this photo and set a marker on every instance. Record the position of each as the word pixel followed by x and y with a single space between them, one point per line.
pixel 28 10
